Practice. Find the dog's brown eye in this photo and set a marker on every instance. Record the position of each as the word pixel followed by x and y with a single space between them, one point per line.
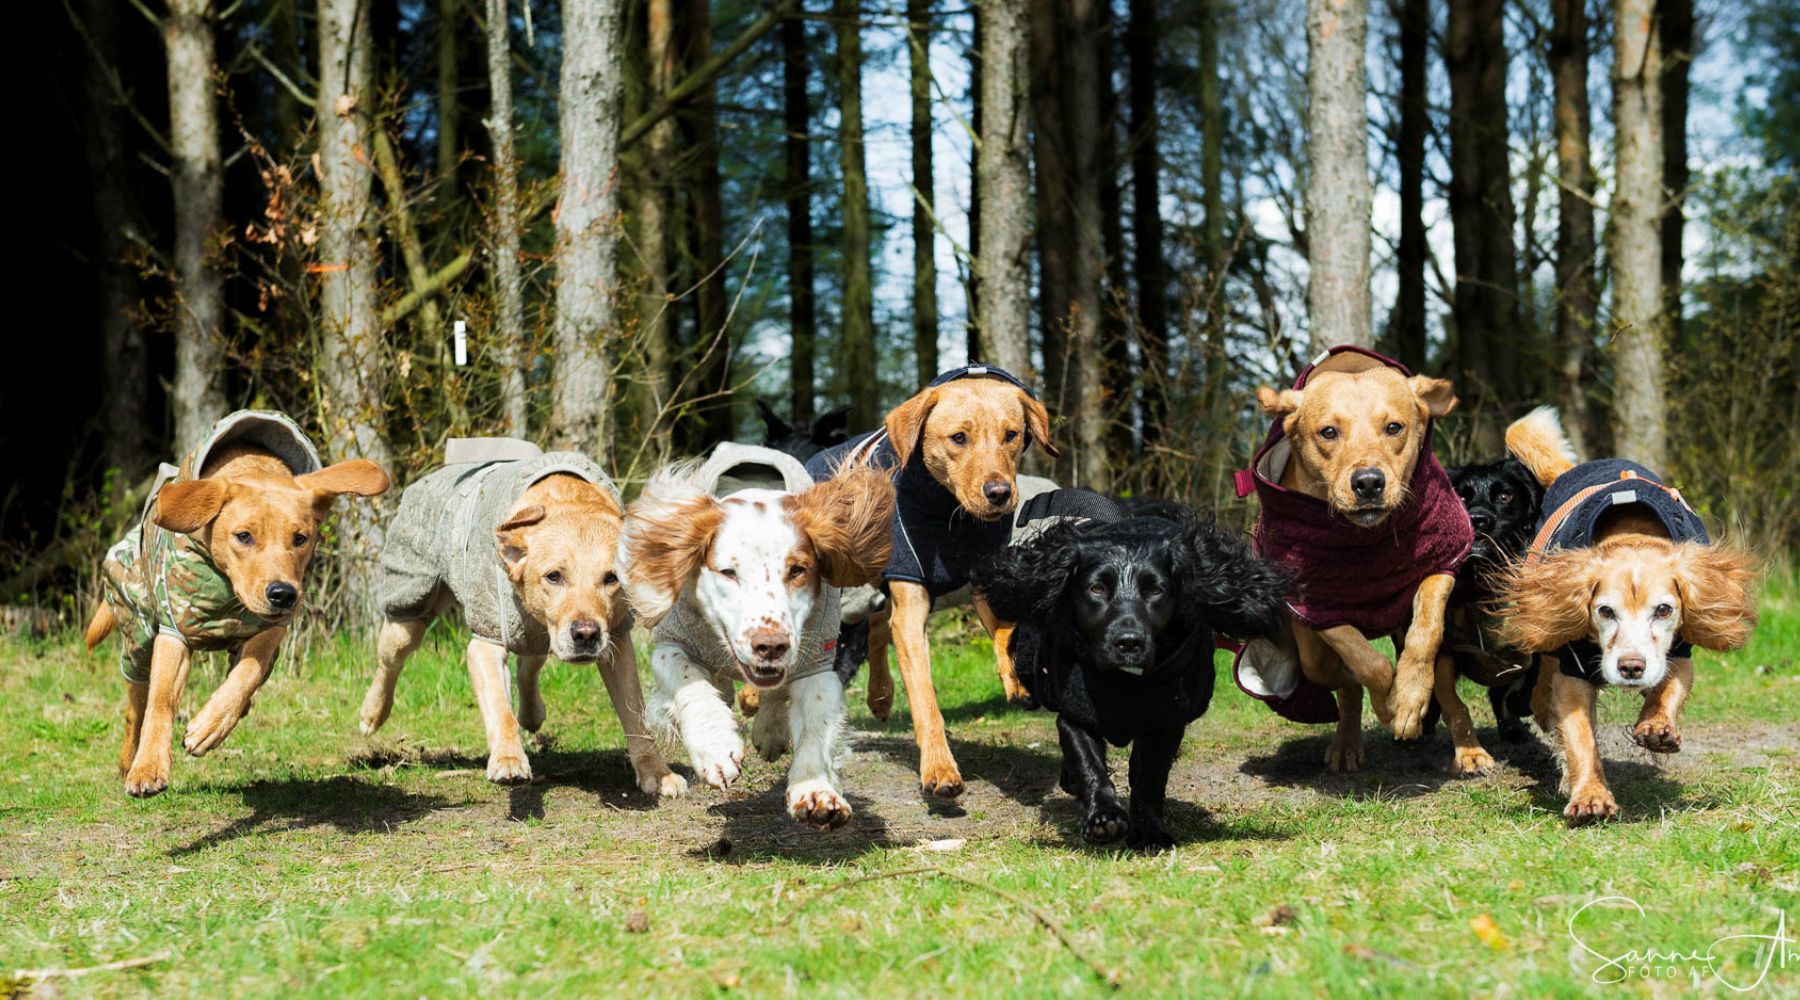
pixel 1097 590
pixel 728 573
pixel 796 571
pixel 242 537
pixel 1664 611
pixel 1394 427
pixel 610 580
pixel 1606 612
pixel 1154 590
pixel 554 577
pixel 1328 433
pixel 960 438
pixel 1011 436
pixel 299 539
pixel 1504 498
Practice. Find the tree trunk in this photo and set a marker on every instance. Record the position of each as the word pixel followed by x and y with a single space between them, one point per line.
pixel 1115 336
pixel 972 289
pixel 1212 164
pixel 1415 125
pixel 858 348
pixel 656 232
pixel 350 358
pixel 586 244
pixel 1052 190
pixel 1088 256
pixel 124 366
pixel 1486 305
pixel 449 139
pixel 1677 22
pixel 1338 189
pixel 802 318
pixel 1141 40
pixel 1640 431
pixel 924 224
pixel 509 282
pixel 199 189
pixel 1004 265
pixel 713 339
pixel 1578 295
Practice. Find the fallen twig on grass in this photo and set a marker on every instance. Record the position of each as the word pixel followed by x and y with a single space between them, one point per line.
pixel 38 975
pixel 1108 976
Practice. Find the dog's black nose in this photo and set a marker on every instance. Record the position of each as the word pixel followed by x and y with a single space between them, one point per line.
pixel 997 493
pixel 582 630
pixel 769 645
pixel 1481 521
pixel 1631 667
pixel 282 595
pixel 1367 484
pixel 1129 644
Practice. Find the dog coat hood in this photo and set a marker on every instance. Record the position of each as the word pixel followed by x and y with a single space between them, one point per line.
pixel 1345 574
pixel 165 582
pixel 442 536
pixel 936 542
pixel 1574 504
pixel 732 467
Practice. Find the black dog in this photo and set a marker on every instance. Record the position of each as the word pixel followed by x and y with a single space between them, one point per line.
pixel 827 429
pixel 1114 634
pixel 1504 501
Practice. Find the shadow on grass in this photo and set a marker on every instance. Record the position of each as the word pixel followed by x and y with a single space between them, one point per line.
pixel 341 802
pixel 604 774
pixel 758 828
pixel 1188 823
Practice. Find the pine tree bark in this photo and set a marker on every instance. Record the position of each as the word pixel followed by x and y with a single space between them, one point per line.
pixel 924 224
pixel 1578 295
pixel 1142 36
pixel 656 228
pixel 1640 430
pixel 1004 265
pixel 509 281
pixel 972 286
pixel 713 339
pixel 350 336
pixel 1338 189
pixel 1088 257
pixel 1117 377
pixel 1486 305
pixel 1052 189
pixel 858 340
pixel 124 365
pixel 449 85
pixel 586 243
pixel 802 309
pixel 1676 18
pixel 1212 162
pixel 1415 125
pixel 199 192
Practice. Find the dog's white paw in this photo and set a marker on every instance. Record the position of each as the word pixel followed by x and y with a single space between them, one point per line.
pixel 508 768
pixel 720 766
pixel 818 805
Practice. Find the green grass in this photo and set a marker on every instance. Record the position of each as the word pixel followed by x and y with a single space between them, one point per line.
pixel 303 859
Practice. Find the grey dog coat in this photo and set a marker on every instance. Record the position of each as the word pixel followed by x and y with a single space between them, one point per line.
pixel 730 468
pixel 442 540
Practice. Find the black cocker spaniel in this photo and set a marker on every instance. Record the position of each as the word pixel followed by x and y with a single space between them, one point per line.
pixel 1115 635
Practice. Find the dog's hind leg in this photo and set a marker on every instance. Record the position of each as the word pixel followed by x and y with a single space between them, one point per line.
pixel 149 771
pixel 1001 632
pixel 397 641
pixel 507 764
pixel 619 672
pixel 531 702
pixel 1346 750
pixel 136 695
pixel 1152 756
pixel 1471 758
pixel 231 702
pixel 1103 816
pixel 1657 729
pixel 881 678
pixel 771 730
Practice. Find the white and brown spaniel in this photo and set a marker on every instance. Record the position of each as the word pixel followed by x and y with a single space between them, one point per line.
pixel 736 566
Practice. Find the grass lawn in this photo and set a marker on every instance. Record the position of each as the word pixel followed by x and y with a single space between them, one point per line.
pixel 302 859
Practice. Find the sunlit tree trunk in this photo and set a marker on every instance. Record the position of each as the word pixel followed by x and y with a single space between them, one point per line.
pixel 1578 295
pixel 1676 18
pixel 1640 328
pixel 449 124
pixel 972 307
pixel 802 310
pixel 655 218
pixel 714 340
pixel 1088 256
pixel 509 282
pixel 1338 190
pixel 1004 265
pixel 198 396
pixel 1051 188
pixel 924 235
pixel 858 339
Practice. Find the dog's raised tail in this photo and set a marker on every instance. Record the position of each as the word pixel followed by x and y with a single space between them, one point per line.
pixel 1537 440
pixel 101 626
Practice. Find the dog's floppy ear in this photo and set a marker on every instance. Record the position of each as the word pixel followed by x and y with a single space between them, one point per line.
pixel 1226 587
pixel 774 428
pixel 1025 582
pixel 1436 395
pixel 358 477
pixel 668 531
pixel 1544 606
pixel 849 519
pixel 1284 404
pixel 1718 595
pixel 511 538
pixel 190 504
pixel 1037 422
pixel 831 428
pixel 906 423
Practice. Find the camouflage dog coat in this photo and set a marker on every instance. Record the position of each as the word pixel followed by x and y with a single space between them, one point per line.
pixel 164 582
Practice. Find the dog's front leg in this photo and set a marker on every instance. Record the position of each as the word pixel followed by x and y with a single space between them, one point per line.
pixel 1413 675
pixel 619 672
pixel 1001 632
pixel 937 768
pixel 1571 716
pixel 1365 664
pixel 1657 729
pixel 815 713
pixel 701 714
pixel 1085 776
pixel 149 772
pixel 507 764
pixel 231 702
pixel 1152 756
pixel 1471 757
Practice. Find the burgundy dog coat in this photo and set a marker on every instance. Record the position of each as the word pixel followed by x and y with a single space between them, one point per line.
pixel 1346 574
